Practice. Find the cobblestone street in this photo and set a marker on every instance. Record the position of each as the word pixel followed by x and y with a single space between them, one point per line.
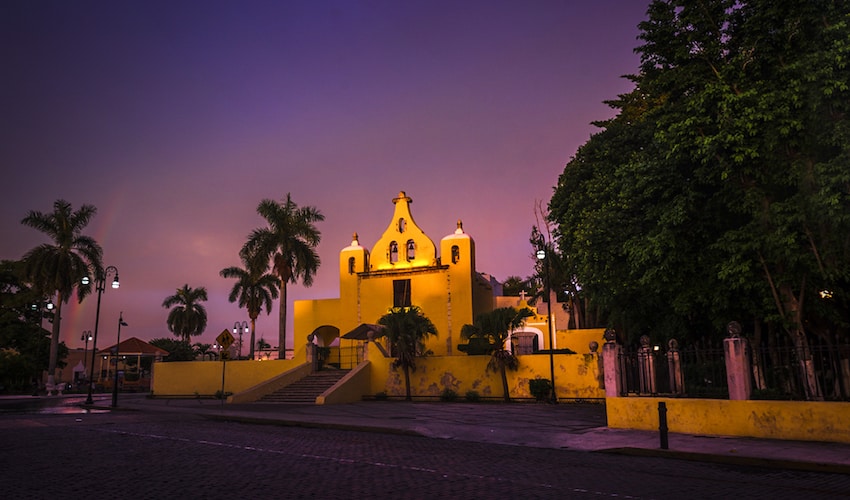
pixel 141 455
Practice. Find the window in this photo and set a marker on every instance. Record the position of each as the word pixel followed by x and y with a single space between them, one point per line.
pixel 411 250
pixel 455 254
pixel 401 293
pixel 351 265
pixel 402 225
pixel 393 252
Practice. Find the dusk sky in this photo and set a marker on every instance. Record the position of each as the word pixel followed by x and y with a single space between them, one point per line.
pixel 175 118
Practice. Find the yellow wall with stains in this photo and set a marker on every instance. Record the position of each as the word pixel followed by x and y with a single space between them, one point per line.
pixel 793 420
pixel 577 376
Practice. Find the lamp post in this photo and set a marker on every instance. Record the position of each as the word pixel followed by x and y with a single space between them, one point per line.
pixel 39 308
pixel 100 286
pixel 86 336
pixel 117 356
pixel 542 255
pixel 239 328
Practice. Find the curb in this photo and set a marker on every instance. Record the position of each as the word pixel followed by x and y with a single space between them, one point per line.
pixel 732 460
pixel 312 425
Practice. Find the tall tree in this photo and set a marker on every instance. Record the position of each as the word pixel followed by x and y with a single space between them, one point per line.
pixel 188 316
pixel 720 190
pixel 24 344
pixel 290 241
pixel 254 288
pixel 497 326
pixel 407 329
pixel 59 267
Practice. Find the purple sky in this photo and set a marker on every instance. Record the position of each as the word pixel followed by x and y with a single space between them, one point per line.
pixel 175 118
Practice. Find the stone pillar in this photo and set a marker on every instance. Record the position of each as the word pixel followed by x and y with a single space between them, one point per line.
pixel 737 363
pixel 674 368
pixel 646 366
pixel 595 357
pixel 312 354
pixel 611 365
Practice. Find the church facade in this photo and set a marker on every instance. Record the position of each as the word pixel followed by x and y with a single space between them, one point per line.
pixel 403 268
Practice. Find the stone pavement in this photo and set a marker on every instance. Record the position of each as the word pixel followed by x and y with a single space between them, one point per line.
pixel 574 426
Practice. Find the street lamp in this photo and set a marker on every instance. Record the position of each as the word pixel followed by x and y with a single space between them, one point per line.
pixel 117 352
pixel 542 255
pixel 239 328
pixel 86 336
pixel 100 286
pixel 38 309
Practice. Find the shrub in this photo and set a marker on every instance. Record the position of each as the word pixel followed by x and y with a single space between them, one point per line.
pixel 472 396
pixel 448 395
pixel 381 396
pixel 540 388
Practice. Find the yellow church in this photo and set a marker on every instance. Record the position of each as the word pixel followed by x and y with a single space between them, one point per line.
pixel 402 269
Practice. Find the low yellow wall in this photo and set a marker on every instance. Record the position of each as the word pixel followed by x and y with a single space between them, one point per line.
pixel 579 340
pixel 203 378
pixel 351 388
pixel 254 393
pixel 577 376
pixel 793 420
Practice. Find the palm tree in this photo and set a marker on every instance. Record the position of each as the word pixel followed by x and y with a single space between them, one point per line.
pixel 407 328
pixel 188 317
pixel 290 242
pixel 254 288
pixel 204 350
pixel 497 326
pixel 59 267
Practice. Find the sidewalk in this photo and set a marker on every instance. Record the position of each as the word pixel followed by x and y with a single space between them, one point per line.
pixel 573 426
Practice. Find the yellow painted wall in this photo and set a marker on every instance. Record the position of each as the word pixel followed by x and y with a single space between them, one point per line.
pixel 579 340
pixel 793 420
pixel 203 378
pixel 576 376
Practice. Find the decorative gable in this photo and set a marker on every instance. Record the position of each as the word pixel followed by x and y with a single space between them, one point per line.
pixel 403 245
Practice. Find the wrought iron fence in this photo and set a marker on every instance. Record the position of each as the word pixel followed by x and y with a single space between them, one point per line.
pixel 346 357
pixel 780 370
pixel 818 371
pixel 697 370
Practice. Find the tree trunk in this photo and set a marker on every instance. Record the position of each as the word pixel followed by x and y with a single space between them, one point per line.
pixel 793 306
pixel 54 339
pixel 253 327
pixel 503 372
pixel 407 382
pixel 758 372
pixel 281 332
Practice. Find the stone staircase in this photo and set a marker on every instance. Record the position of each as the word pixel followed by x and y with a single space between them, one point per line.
pixel 307 389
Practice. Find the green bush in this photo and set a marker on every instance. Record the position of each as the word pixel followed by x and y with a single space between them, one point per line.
pixel 472 396
pixel 540 388
pixel 381 396
pixel 448 395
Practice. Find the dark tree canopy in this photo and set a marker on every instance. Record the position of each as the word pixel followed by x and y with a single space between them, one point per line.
pixel 721 189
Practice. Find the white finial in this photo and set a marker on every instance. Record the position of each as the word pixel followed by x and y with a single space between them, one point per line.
pixel 355 242
pixel 459 229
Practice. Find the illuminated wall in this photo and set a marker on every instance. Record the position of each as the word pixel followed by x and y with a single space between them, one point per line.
pixel 403 268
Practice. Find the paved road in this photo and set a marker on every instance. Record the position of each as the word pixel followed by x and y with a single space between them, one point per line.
pixel 169 455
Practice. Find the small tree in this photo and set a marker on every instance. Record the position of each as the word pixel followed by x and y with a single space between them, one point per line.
pixel 188 317
pixel 407 328
pixel 497 326
pixel 253 289
pixel 178 350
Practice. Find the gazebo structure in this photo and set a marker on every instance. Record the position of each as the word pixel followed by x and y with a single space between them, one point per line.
pixel 133 359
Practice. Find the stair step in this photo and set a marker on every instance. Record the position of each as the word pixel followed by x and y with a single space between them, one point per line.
pixel 307 389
